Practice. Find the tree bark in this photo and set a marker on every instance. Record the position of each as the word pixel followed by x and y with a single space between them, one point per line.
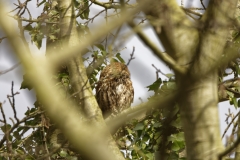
pixel 198 50
pixel 77 73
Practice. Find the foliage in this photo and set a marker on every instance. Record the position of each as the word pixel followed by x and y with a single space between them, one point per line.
pixel 160 132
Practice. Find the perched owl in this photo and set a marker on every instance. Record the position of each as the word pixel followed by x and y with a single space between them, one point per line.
pixel 114 91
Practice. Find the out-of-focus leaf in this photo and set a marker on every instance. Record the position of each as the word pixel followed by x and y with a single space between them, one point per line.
pixel 139 126
pixel 118 55
pixel 63 153
pixel 6 127
pixel 169 75
pixel 100 46
pixel 28 27
pixel 26 84
pixel 155 86
pixel 84 11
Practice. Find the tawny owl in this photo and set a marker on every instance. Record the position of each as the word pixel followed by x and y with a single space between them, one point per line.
pixel 114 91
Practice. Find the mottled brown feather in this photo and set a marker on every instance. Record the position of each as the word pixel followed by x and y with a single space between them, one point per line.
pixel 114 91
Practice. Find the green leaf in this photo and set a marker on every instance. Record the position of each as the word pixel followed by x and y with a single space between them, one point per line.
pixel 29 157
pixel 155 147
pixel 16 135
pixel 20 151
pixel 145 138
pixel 38 41
pixel 76 3
pixel 157 125
pixel 172 137
pixel 118 55
pixel 150 155
pixel 100 46
pixel 114 60
pixel 230 94
pixel 180 136
pixel 238 103
pixel 54 156
pixel 84 10
pixel 6 128
pixel 235 34
pixel 63 153
pixel 235 103
pixel 32 109
pixel 28 27
pixel 129 131
pixel 169 75
pixel 175 146
pixel 104 53
pixel 177 123
pixel 237 88
pixel 52 37
pixel 155 86
pixel 134 154
pixel 26 82
pixel 72 158
pixel 173 156
pixel 171 85
pixel 139 126
pixel 143 146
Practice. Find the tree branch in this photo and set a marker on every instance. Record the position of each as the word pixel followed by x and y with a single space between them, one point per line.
pixel 162 55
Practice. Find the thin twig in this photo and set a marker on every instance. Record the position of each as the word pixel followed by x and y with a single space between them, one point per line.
pixel 2 39
pixel 83 9
pixel 52 152
pixel 229 149
pixel 13 103
pixel 162 55
pixel 159 71
pixel 17 124
pixel 106 5
pixel 12 120
pixel 7 132
pixel 225 131
pixel 33 20
pixel 91 19
pixel 131 56
pixel 203 4
pixel 10 69
pixel 21 29
pixel 45 142
pixel 192 12
pixel 140 99
pixel 233 91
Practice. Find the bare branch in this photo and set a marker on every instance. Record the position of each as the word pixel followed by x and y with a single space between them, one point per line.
pixel 2 39
pixel 159 71
pixel 17 124
pixel 13 102
pixel 225 131
pixel 203 4
pixel 52 152
pixel 162 55
pixel 131 56
pixel 10 69
pixel 229 149
pixel 192 12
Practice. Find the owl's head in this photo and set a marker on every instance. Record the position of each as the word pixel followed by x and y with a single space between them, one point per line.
pixel 115 70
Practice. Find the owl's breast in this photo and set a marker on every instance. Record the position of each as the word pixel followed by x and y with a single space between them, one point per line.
pixel 120 88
